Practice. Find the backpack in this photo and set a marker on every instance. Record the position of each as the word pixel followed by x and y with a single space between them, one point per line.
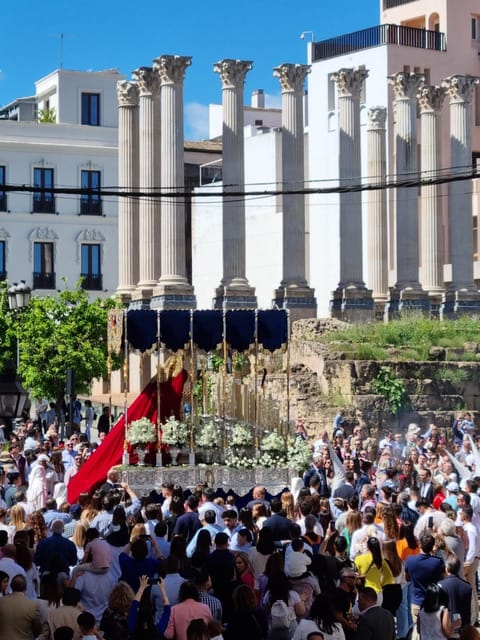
pixel 280 615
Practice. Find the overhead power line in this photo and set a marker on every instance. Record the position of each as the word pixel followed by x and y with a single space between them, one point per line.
pixel 237 193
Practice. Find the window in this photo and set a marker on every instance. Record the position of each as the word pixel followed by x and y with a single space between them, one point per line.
pixel 43 201
pixel 3 195
pixel 474 28
pixel 91 267
pixel 3 268
pixel 43 273
pixel 90 202
pixel 332 90
pixel 91 109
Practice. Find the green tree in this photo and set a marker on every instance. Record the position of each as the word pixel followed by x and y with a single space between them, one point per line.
pixel 8 329
pixel 61 332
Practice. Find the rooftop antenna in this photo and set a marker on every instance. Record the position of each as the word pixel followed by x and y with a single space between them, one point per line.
pixel 61 51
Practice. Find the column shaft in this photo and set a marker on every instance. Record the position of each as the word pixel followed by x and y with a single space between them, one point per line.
pixel 405 87
pixel 377 205
pixel 127 180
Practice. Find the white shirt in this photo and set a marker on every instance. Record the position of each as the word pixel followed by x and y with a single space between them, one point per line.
pixel 473 538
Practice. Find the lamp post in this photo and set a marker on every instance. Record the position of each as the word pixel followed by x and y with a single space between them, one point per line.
pixel 12 394
pixel 18 299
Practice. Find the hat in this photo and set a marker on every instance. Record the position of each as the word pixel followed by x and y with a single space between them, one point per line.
pixel 413 428
pixel 43 458
pixel 453 487
pixel 75 511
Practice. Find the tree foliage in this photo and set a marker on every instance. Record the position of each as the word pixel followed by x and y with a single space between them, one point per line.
pixel 61 332
pixel 8 337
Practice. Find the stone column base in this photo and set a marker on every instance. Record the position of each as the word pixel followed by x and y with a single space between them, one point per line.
pixel 172 296
pixel 352 304
pixel 125 295
pixel 235 298
pixel 409 300
pixel 141 298
pixel 300 301
pixel 460 302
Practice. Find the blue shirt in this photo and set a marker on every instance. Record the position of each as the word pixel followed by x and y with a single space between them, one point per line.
pixel 423 569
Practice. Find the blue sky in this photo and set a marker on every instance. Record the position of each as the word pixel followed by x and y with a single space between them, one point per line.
pixel 105 34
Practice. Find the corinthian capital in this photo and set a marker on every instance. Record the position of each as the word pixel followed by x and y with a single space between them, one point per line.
pixel 232 72
pixel 430 98
pixel 127 93
pixel 460 88
pixel 292 77
pixel 377 117
pixel 350 81
pixel 171 69
pixel 405 84
pixel 147 80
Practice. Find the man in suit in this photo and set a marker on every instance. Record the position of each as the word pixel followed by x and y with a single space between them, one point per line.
pixel 278 522
pixel 19 616
pixel 374 623
pixel 425 484
pixel 458 590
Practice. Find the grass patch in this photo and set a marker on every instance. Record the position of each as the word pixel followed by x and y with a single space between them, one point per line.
pixel 454 375
pixel 413 334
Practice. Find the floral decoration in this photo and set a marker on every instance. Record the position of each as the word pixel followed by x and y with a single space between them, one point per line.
pixel 273 442
pixel 240 462
pixel 141 431
pixel 272 459
pixel 174 432
pixel 209 435
pixel 299 455
pixel 241 435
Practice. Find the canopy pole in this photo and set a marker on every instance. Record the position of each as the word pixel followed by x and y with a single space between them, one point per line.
pixel 158 456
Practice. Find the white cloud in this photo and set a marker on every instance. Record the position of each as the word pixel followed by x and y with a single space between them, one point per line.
pixel 273 101
pixel 196 121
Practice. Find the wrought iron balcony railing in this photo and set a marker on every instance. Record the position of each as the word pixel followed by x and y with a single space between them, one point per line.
pixel 376 37
pixel 390 4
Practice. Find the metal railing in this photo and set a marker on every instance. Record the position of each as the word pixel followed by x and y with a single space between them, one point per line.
pixel 91 282
pixel 90 206
pixel 43 203
pixel 377 36
pixel 3 201
pixel 43 280
pixel 390 4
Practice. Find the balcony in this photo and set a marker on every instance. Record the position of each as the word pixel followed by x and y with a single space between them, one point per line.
pixel 390 4
pixel 91 282
pixel 90 207
pixel 43 203
pixel 43 280
pixel 376 37
pixel 3 201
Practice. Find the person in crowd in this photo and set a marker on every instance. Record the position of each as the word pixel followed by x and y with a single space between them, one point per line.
pixel 375 623
pixel 434 618
pixel 247 621
pixel 244 569
pixel 374 568
pixel 188 608
pixel 321 619
pixel 19 615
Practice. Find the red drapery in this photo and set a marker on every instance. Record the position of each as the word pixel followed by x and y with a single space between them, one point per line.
pixel 94 470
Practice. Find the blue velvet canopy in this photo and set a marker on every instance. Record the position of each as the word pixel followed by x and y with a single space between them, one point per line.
pixel 207 328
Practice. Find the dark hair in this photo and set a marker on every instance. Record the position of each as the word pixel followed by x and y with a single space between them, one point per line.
pixel 160 529
pixel 221 538
pixel 139 549
pixel 197 630
pixel 435 597
pixel 210 516
pixel 178 547
pixel 406 531
pixel 71 596
pixel 63 633
pixel 322 613
pixel 244 597
pixel 245 533
pixel 265 544
pixel 192 502
pixel 204 540
pixel 275 505
pixel 278 587
pixel 297 544
pixel 86 620
pixel 373 545
pixel 18 583
pixel 340 544
pixel 452 563
pixel 427 542
pixel 188 590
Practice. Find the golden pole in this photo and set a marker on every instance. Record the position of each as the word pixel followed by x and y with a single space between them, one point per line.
pixel 255 398
pixel 287 311
pixel 158 455
pixel 224 366
pixel 125 459
pixel 191 457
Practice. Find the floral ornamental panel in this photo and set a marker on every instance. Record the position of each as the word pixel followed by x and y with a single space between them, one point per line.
pixel 175 432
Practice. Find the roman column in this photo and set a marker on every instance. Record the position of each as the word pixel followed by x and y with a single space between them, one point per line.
pixel 294 292
pixel 351 299
pixel 462 294
pixel 149 224
pixel 173 290
pixel 430 101
pixel 377 239
pixel 234 290
pixel 407 290
pixel 127 93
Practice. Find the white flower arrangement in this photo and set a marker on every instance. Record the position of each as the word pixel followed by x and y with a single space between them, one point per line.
pixel 241 435
pixel 273 442
pixel 240 462
pixel 299 455
pixel 271 459
pixel 141 431
pixel 174 432
pixel 209 435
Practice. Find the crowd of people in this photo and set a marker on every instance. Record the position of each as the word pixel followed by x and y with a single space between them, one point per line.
pixel 379 540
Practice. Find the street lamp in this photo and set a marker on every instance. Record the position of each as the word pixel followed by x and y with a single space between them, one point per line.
pixel 18 299
pixel 12 395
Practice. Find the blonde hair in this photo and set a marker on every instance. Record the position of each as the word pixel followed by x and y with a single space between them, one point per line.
pixel 79 533
pixel 288 504
pixel 17 515
pixel 121 597
pixel 137 530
